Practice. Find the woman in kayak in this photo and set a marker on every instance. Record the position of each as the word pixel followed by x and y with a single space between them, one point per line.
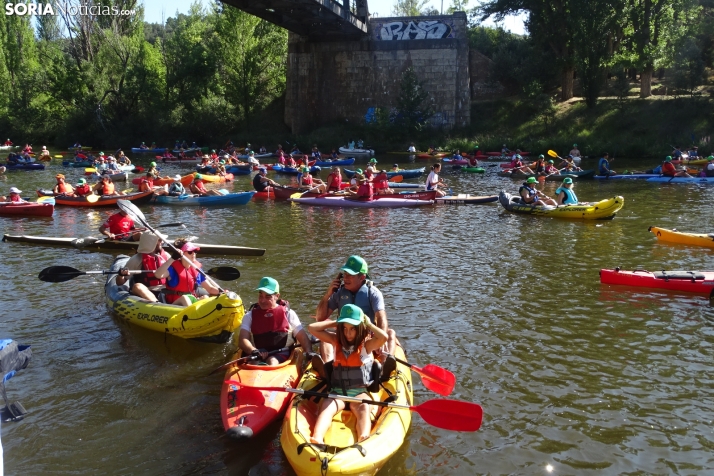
pixel 62 188
pixel 351 369
pixel 334 180
pixel 381 183
pixel 566 195
pixel 433 182
pixel 182 279
pixel 669 170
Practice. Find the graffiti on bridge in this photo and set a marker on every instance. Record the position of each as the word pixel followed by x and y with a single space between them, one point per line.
pixel 410 30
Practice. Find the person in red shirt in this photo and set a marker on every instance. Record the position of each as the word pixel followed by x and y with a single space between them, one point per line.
pixel 669 170
pixel 7 143
pixel 334 180
pixel 365 190
pixel 381 183
pixel 119 227
pixel 82 189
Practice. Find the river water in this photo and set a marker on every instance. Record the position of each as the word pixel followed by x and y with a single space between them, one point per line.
pixel 574 377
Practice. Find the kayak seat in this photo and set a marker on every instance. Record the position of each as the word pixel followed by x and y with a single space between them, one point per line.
pixel 688 275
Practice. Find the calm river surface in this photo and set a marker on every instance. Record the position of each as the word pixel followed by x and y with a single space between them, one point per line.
pixel 584 377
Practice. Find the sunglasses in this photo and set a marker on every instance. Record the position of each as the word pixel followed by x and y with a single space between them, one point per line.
pixel 190 252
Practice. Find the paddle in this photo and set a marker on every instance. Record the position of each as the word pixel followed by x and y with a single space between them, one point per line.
pixel 455 415
pixel 541 178
pixel 60 274
pixel 250 358
pixel 299 195
pixel 92 198
pixel 59 156
pixel 137 215
pixel 397 179
pixel 47 200
pixel 435 378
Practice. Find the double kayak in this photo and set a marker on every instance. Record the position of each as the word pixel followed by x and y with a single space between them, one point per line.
pixel 94 244
pixel 26 209
pixel 407 173
pixel 209 320
pixel 674 236
pixel 665 179
pixel 602 210
pixel 337 201
pixel 240 198
pixel 700 282
pixel 103 201
pixel 342 453
pixel 352 152
pixel 246 411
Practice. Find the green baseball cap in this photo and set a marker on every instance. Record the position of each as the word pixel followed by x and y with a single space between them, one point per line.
pixel 358 171
pixel 81 181
pixel 153 164
pixel 355 265
pixel 668 158
pixel 567 180
pixel 550 161
pixel 575 145
pixel 541 156
pixel 197 177
pixel 268 286
pixel 711 157
pixel 372 160
pixel 350 314
pixel 531 180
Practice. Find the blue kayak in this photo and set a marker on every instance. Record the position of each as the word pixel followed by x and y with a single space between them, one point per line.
pixel 665 179
pixel 293 170
pixel 139 150
pixel 84 163
pixel 331 163
pixel 410 173
pixel 24 166
pixel 626 177
pixel 240 198
pixel 239 169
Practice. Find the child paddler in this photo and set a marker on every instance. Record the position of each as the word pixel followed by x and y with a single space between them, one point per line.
pixel 351 368
pixel 272 325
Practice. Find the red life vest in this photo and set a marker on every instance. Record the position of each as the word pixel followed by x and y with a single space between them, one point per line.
pixel 365 191
pixel 151 262
pixel 270 327
pixel 64 188
pixel 82 190
pixel 306 180
pixel 14 197
pixel 186 284
pixel 381 182
pixel 336 180
pixel 150 184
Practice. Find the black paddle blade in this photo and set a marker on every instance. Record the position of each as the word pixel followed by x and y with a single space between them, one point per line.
pixel 59 274
pixel 224 273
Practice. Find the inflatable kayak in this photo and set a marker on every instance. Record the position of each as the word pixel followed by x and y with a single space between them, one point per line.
pixel 93 244
pixel 625 177
pixel 240 198
pixel 674 236
pixel 209 320
pixel 700 282
pixel 332 163
pixel 352 152
pixel 24 166
pixel 139 150
pixel 26 209
pixel 104 200
pixel 580 175
pixel 602 210
pixel 473 170
pixel 342 454
pixel 247 411
pixel 335 201
pixel 463 199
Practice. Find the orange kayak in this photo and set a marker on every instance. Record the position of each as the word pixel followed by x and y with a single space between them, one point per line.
pixel 185 180
pixel 247 411
pixel 104 200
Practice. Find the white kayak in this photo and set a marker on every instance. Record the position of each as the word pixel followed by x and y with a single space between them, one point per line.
pixel 348 202
pixel 350 152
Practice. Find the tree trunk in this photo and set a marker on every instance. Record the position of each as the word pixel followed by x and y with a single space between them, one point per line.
pixel 566 83
pixel 646 82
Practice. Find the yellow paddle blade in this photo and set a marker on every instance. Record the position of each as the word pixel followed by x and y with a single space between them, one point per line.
pixel 58 156
pixel 90 170
pixel 46 199
pixel 128 190
pixel 552 153
pixel 296 195
pixel 92 198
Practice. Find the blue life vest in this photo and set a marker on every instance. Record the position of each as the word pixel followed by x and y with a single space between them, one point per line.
pixel 570 198
pixel 603 166
pixel 359 299
pixel 531 193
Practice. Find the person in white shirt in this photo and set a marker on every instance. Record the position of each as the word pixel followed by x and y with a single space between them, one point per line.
pixel 433 182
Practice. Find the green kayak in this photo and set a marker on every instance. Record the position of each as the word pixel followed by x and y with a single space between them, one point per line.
pixel 473 170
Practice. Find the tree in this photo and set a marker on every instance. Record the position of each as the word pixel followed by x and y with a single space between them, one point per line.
pixel 457 6
pixel 412 112
pixel 409 8
pixel 688 67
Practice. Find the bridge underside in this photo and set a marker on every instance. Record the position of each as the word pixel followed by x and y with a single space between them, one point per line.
pixel 318 19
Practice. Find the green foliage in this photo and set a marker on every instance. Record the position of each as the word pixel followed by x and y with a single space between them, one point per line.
pixel 622 85
pixel 457 6
pixel 412 111
pixel 409 8
pixel 540 103
pixel 688 67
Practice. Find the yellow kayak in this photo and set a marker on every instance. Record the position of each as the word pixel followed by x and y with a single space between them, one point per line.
pixel 674 236
pixel 343 455
pixel 602 210
pixel 208 320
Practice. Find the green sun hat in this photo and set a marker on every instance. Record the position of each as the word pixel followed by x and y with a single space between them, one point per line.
pixel 153 164
pixel 541 156
pixel 531 180
pixel 355 265
pixel 567 180
pixel 268 285
pixel 358 171
pixel 350 314
pixel 372 160
pixel 101 153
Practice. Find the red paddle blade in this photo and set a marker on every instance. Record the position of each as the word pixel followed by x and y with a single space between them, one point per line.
pixel 437 379
pixel 452 415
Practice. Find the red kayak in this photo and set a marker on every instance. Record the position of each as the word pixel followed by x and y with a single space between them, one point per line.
pixel 26 209
pixel 263 196
pixel 700 282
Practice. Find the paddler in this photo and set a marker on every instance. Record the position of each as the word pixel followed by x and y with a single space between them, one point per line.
pixel 182 279
pixel 147 185
pixel 314 184
pixel 119 227
pixel 433 182
pixel 261 183
pixel 354 341
pixel 574 152
pixel 381 183
pixel 603 165
pixel 669 170
pixel 153 170
pixel 14 196
pixel 44 152
pixel 272 324
pixel 334 180
pixel 82 189
pixel 530 196
pixel 62 188
pixel 176 188
pixel 357 289
pixel 198 188
pixel 566 195
pixel 149 257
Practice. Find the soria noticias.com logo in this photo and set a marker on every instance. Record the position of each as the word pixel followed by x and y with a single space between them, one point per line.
pixel 23 9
